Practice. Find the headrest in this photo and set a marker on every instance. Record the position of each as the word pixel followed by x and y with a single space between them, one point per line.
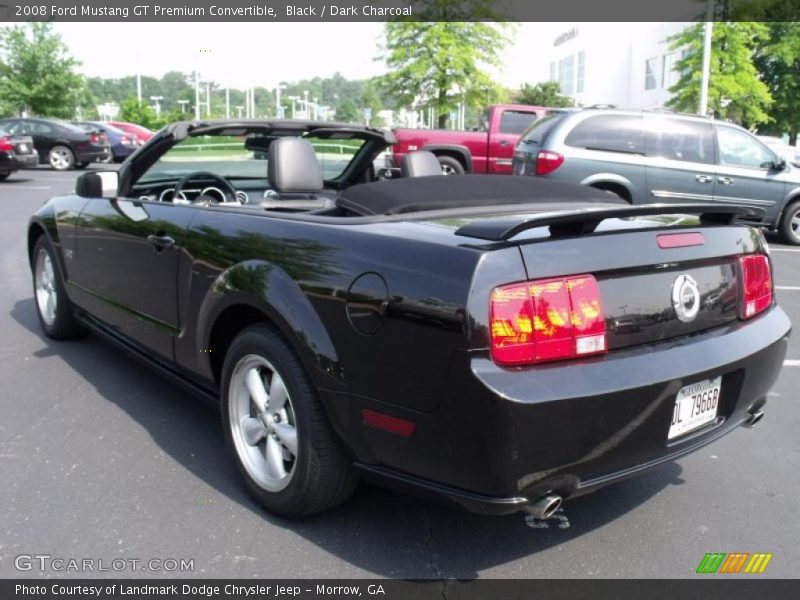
pixel 420 164
pixel 293 166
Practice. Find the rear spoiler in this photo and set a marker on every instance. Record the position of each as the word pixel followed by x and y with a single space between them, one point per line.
pixel 586 220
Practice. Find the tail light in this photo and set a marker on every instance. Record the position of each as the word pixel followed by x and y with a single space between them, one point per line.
pixel 128 140
pixel 94 138
pixel 545 320
pixel 547 162
pixel 756 284
pixel 5 144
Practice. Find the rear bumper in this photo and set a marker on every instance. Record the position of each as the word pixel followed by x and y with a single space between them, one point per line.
pixel 502 438
pixel 93 153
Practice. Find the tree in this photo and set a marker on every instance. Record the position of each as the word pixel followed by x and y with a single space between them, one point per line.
pixel 543 94
pixel 735 91
pixel 38 75
pixel 133 111
pixel 778 64
pixel 347 112
pixel 370 99
pixel 438 61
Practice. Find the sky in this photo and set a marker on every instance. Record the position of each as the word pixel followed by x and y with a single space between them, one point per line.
pixel 263 54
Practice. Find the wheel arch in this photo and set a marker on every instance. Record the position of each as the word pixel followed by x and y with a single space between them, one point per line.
pixel 259 292
pixel 789 198
pixel 611 182
pixel 460 153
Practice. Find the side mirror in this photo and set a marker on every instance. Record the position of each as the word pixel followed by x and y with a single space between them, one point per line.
pixel 97 185
pixel 779 164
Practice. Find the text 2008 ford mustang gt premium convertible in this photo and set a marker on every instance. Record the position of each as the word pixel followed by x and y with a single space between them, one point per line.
pixel 501 342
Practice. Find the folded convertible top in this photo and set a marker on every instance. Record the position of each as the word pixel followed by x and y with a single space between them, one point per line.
pixel 413 194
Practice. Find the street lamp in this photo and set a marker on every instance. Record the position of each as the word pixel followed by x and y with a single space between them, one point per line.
pixel 316 107
pixel 157 100
pixel 293 99
pixel 183 104
pixel 278 108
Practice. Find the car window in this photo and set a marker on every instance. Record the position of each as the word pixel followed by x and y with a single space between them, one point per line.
pixel 13 127
pixel 539 130
pixel 677 139
pixel 739 148
pixel 39 128
pixel 228 157
pixel 515 121
pixel 611 133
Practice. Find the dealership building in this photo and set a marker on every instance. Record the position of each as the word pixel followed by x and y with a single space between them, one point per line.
pixel 624 64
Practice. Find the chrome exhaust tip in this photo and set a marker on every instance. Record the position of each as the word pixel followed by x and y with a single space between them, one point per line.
pixel 754 418
pixel 544 507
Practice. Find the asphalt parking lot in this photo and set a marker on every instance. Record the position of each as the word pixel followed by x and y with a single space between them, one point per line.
pixel 102 459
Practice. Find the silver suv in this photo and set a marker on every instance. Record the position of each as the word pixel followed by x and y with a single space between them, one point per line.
pixel 656 156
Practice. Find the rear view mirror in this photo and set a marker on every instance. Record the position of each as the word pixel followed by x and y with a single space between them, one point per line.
pixel 97 185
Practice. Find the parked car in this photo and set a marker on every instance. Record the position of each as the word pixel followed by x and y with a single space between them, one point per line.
pixel 655 156
pixel 488 150
pixel 142 134
pixel 450 335
pixel 122 144
pixel 60 144
pixel 16 152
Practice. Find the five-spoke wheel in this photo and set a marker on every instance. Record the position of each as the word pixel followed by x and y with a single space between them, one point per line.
pixel 263 422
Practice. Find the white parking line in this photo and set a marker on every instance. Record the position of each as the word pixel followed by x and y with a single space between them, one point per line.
pixel 784 249
pixel 791 288
pixel 29 187
pixel 791 363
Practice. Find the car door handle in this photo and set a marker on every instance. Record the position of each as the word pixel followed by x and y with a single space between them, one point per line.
pixel 161 242
pixel 505 143
pixel 703 178
pixel 725 180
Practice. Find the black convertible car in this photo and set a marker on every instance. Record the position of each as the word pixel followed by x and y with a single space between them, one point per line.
pixel 501 342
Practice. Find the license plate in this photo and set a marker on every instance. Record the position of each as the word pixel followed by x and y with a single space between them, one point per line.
pixel 695 405
pixel 23 148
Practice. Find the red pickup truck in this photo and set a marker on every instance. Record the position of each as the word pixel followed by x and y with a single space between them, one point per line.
pixel 487 151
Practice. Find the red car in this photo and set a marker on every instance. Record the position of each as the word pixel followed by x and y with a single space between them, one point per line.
pixel 489 149
pixel 142 133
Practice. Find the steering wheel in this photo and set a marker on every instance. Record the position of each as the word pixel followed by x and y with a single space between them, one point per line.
pixel 225 186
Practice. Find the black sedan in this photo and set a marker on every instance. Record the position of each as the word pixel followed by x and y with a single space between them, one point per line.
pixel 504 343
pixel 60 144
pixel 16 152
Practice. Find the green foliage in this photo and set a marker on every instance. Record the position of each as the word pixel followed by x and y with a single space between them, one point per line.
pixel 347 112
pixel 37 74
pixel 547 93
pixel 133 111
pixel 439 63
pixel 778 63
pixel 735 91
pixel 371 100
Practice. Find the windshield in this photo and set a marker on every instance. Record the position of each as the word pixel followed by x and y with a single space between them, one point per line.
pixel 233 157
pixel 536 133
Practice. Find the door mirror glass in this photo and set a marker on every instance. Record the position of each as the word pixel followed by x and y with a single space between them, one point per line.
pixel 97 185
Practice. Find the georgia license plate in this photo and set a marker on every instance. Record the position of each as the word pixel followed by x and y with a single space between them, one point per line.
pixel 695 405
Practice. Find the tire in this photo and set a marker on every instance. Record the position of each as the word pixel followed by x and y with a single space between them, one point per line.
pixel 451 166
pixel 288 454
pixel 82 165
pixel 61 158
pixel 790 224
pixel 52 305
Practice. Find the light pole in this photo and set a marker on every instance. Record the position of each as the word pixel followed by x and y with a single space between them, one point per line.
pixel 183 104
pixel 239 109
pixel 706 58
pixel 305 103
pixel 157 100
pixel 197 95
pixel 227 102
pixel 316 109
pixel 278 108
pixel 293 99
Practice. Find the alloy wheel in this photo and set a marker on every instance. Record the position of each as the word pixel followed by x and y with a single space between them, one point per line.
pixel 262 421
pixel 46 294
